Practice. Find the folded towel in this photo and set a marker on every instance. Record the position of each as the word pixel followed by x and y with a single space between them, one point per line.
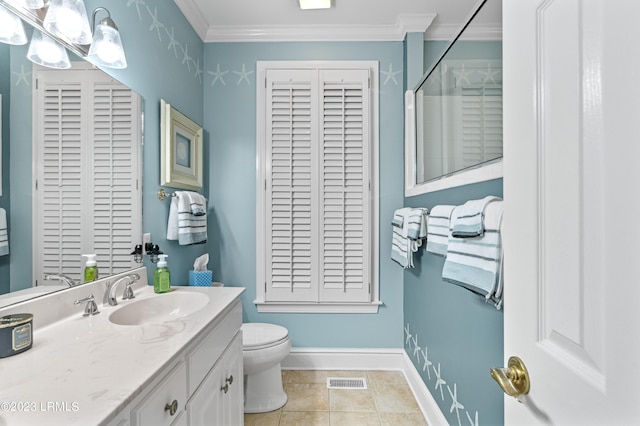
pixel 409 230
pixel 197 203
pixel 417 229
pixel 476 263
pixel 438 229
pixel 468 221
pixel 183 225
pixel 4 237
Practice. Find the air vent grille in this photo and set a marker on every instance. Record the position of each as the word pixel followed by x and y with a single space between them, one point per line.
pixel 346 383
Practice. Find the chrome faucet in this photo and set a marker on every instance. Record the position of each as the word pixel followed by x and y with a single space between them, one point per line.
pixel 90 308
pixel 61 277
pixel 110 295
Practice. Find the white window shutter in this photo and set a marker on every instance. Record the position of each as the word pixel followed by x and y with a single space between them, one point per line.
pixel 291 206
pixel 481 124
pixel 115 129
pixel 60 179
pixel 87 161
pixel 344 186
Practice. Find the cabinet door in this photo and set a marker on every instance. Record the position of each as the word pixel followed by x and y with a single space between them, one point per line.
pixel 219 399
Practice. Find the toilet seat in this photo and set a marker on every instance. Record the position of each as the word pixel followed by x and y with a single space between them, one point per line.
pixel 257 336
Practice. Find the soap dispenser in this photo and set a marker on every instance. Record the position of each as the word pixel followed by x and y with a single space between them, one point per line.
pixel 90 268
pixel 161 276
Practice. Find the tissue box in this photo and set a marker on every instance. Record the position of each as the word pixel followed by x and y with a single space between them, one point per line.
pixel 200 278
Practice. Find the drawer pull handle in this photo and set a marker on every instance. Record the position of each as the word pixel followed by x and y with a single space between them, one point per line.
pixel 225 388
pixel 230 379
pixel 172 408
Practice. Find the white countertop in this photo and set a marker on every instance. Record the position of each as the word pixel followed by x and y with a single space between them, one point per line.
pixel 84 370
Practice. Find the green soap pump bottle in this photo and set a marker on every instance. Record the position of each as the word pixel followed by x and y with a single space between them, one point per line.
pixel 162 276
pixel 91 268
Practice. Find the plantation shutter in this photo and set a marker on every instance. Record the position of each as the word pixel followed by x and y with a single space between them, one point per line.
pixel 344 222
pixel 291 207
pixel 481 124
pixel 60 179
pixel 317 212
pixel 87 173
pixel 115 182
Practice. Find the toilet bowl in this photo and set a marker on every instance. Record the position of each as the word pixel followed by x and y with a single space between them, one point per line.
pixel 264 346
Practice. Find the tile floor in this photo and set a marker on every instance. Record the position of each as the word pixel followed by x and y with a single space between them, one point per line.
pixel 386 401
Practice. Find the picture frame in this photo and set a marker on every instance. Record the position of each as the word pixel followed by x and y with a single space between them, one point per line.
pixel 181 149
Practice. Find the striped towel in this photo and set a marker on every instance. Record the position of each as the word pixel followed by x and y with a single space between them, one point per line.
pixel 469 220
pixel 409 227
pixel 438 229
pixel 197 203
pixel 4 237
pixel 400 244
pixel 476 263
pixel 183 225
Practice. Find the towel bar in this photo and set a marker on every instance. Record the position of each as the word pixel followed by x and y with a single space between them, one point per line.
pixel 163 195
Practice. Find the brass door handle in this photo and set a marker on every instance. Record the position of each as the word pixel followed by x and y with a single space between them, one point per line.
pixel 514 380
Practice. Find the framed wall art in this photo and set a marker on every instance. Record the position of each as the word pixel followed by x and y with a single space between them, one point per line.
pixel 181 149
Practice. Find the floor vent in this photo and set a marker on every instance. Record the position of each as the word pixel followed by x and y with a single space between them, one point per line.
pixel 346 383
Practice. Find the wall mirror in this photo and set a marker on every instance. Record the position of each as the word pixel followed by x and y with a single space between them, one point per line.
pixel 66 199
pixel 456 136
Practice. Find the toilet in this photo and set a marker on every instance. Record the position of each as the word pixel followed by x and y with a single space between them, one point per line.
pixel 264 346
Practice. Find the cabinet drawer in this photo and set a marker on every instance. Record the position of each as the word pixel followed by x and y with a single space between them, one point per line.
pixel 205 354
pixel 153 409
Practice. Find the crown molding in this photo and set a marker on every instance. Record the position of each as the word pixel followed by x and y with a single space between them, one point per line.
pixel 475 32
pixel 193 15
pixel 237 33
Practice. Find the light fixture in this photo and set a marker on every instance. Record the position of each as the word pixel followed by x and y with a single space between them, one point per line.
pixel 68 19
pixel 45 51
pixel 11 28
pixel 106 49
pixel 314 4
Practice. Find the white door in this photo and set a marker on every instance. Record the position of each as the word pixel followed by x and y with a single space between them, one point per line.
pixel 572 194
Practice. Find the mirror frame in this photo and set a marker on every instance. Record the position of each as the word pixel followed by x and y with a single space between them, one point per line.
pixel 479 173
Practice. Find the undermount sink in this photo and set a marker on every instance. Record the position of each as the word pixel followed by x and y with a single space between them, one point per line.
pixel 159 308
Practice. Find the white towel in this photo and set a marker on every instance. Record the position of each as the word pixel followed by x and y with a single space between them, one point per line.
pixel 469 218
pixel 197 203
pixel 409 227
pixel 438 229
pixel 4 237
pixel 476 263
pixel 183 225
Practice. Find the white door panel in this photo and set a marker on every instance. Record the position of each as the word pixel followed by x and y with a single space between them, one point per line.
pixel 570 236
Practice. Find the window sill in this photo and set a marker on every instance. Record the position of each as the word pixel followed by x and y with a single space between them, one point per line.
pixel 319 308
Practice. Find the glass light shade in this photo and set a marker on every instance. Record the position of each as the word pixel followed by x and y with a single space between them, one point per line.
pixel 106 49
pixel 43 50
pixel 11 28
pixel 68 19
pixel 30 4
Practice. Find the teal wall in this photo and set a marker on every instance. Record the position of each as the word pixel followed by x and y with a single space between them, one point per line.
pixel 230 117
pixel 460 335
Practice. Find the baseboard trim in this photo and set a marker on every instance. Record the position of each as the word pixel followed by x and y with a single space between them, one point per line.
pixel 369 359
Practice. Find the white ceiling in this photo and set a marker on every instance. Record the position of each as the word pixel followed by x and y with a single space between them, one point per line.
pixel 280 20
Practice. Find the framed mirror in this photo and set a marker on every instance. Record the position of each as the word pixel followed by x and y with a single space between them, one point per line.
pixel 455 124
pixel 69 187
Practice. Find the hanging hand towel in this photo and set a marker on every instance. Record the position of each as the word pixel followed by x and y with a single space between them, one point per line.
pixel 4 237
pixel 400 244
pixel 197 203
pixel 476 263
pixel 438 229
pixel 469 219
pixel 183 225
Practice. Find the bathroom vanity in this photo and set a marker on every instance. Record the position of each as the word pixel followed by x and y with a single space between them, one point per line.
pixel 159 359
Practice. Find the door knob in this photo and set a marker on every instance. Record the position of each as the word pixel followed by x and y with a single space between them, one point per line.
pixel 514 380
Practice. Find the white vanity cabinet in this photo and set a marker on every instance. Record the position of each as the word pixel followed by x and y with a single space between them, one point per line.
pixel 202 386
